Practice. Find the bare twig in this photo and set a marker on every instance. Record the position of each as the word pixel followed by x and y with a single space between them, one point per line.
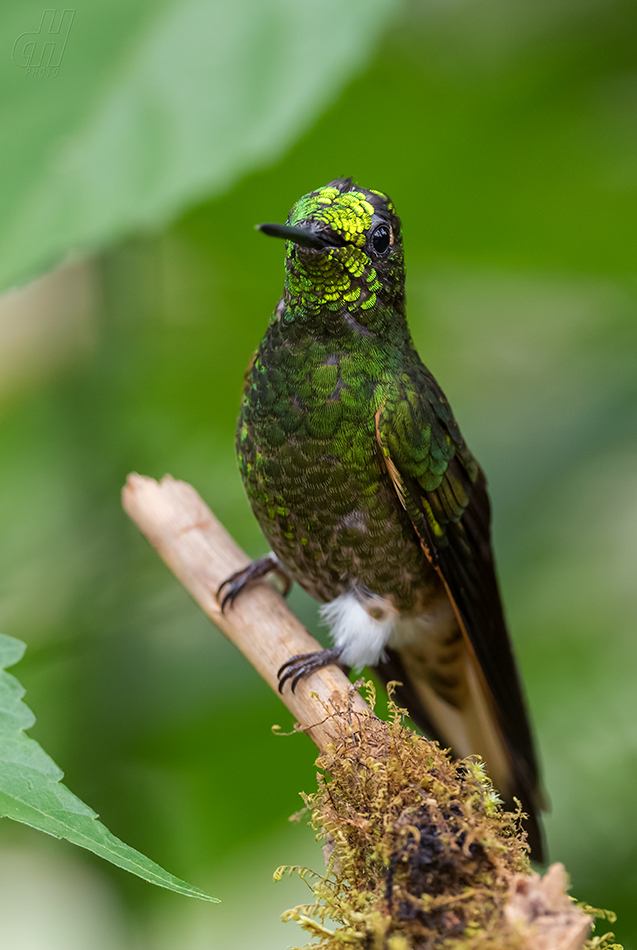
pixel 199 550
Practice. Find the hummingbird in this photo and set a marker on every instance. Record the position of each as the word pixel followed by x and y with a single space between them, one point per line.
pixel 369 497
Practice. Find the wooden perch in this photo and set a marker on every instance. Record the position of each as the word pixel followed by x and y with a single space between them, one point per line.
pixel 202 554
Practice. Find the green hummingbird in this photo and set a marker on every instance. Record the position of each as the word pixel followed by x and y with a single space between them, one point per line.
pixel 369 496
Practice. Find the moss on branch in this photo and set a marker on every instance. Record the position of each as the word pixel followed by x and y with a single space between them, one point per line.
pixel 420 853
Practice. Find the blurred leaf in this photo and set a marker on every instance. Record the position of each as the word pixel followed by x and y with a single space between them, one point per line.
pixel 162 104
pixel 30 789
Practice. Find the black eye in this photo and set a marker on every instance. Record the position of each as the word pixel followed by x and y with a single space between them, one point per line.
pixel 381 239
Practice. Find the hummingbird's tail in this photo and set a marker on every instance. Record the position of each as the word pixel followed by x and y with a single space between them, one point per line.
pixel 451 704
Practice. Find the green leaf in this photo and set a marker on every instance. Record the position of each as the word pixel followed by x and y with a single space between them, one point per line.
pixel 155 105
pixel 31 789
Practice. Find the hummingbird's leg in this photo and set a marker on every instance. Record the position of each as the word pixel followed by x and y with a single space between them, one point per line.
pixel 249 575
pixel 304 664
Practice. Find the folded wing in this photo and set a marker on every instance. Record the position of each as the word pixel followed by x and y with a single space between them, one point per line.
pixel 442 488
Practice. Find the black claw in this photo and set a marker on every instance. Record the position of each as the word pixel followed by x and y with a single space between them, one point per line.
pixel 235 585
pixel 295 681
pixel 283 677
pixel 286 580
pixel 248 576
pixel 304 664
pixel 293 659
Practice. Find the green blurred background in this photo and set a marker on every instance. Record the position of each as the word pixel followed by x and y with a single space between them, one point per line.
pixel 506 133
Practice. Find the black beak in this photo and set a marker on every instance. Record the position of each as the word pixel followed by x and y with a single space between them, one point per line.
pixel 303 236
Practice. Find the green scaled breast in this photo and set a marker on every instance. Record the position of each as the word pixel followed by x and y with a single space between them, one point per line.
pixel 312 470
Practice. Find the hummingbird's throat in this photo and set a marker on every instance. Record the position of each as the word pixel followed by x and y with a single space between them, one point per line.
pixel 337 278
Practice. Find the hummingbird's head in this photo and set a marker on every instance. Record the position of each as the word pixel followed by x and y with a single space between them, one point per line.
pixel 344 254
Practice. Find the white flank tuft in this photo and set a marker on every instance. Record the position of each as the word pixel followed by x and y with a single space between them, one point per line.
pixel 359 636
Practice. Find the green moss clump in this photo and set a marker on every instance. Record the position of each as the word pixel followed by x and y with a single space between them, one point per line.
pixel 604 941
pixel 420 851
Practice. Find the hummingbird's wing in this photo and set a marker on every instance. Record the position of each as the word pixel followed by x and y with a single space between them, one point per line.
pixel 442 488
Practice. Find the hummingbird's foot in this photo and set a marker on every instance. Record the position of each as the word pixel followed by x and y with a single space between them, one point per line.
pixel 304 664
pixel 249 575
